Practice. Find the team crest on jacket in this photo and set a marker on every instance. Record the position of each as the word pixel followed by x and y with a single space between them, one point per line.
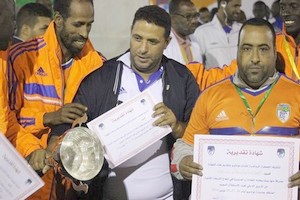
pixel 283 112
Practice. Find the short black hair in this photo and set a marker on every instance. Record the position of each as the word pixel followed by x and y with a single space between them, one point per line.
pixel 155 15
pixel 29 12
pixel 175 4
pixel 259 22
pixel 62 6
pixel 203 9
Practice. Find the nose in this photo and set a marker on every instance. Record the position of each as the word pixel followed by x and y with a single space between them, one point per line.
pixel 84 31
pixel 143 47
pixel 255 57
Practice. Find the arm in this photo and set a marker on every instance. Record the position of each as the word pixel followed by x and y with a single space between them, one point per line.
pixel 207 77
pixel 182 165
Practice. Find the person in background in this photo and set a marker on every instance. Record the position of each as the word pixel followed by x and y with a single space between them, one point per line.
pixel 276 19
pixel 217 39
pixel 288 41
pixel 205 15
pixel 47 73
pixel 33 20
pixel 237 98
pixel 144 67
pixel 261 10
pixel 7 24
pixel 213 12
pixel 242 17
pixel 185 18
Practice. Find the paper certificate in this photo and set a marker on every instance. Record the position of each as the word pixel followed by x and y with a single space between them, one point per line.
pixel 17 179
pixel 127 129
pixel 242 167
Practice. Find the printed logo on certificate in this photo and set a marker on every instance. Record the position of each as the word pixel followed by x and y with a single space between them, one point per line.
pixel 17 179
pixel 242 167
pixel 127 129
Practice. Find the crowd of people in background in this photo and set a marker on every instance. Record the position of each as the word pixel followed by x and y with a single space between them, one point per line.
pixel 51 75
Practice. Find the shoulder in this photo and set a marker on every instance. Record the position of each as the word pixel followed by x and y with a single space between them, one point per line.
pixel 27 49
pixel 288 83
pixel 221 85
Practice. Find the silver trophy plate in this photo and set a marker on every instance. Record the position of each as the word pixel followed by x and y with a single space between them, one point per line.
pixel 81 153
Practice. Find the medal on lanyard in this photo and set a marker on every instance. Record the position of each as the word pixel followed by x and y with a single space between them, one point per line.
pixel 253 114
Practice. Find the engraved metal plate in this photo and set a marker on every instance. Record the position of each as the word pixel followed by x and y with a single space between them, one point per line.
pixel 81 153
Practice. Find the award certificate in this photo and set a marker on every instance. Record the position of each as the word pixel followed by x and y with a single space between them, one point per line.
pixel 127 129
pixel 17 179
pixel 245 167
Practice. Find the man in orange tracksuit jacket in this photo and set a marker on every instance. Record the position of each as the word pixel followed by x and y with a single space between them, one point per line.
pixel 7 25
pixel 287 44
pixel 47 73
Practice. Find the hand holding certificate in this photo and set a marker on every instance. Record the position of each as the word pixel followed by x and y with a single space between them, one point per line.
pixel 238 167
pixel 128 129
pixel 17 178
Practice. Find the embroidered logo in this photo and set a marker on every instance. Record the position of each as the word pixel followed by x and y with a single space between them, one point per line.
pixel 122 91
pixel 283 111
pixel 41 72
pixel 222 116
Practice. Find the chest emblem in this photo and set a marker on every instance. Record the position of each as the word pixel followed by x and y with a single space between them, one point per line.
pixel 283 112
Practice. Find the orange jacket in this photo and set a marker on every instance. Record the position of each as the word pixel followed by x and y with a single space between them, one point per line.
pixel 40 85
pixel 4 92
pixel 207 77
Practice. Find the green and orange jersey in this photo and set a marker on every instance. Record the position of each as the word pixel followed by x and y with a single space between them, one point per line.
pixel 220 110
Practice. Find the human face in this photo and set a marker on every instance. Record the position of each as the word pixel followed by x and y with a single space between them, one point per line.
pixel 186 20
pixel 256 55
pixel 233 10
pixel 7 22
pixel 40 26
pixel 205 17
pixel 290 13
pixel 74 30
pixel 147 43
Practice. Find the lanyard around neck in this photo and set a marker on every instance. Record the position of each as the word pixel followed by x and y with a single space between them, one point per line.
pixel 291 58
pixel 262 101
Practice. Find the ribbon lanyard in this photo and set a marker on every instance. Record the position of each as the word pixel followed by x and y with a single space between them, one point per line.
pixel 253 115
pixel 291 58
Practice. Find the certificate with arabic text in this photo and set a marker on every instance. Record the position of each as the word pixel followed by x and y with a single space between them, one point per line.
pixel 244 167
pixel 17 179
pixel 127 129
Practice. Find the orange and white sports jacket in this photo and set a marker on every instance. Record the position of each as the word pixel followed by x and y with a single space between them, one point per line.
pixel 4 92
pixel 38 85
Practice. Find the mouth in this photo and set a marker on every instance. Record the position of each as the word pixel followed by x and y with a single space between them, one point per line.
pixel 143 59
pixel 289 22
pixel 80 42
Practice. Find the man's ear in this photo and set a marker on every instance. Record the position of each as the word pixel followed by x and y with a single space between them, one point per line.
pixel 58 19
pixel 168 41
